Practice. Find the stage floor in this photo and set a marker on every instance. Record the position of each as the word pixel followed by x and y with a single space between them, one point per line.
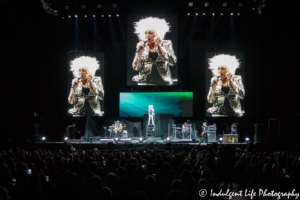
pixel 135 144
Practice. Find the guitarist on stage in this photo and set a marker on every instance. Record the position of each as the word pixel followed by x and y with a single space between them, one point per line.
pixel 118 128
pixel 204 132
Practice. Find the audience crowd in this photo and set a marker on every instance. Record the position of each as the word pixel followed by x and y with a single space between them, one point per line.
pixel 152 175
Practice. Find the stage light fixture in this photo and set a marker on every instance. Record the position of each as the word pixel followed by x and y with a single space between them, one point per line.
pixel 191 4
pixel 213 14
pixel 102 15
pixel 116 139
pixel 224 4
pixel 247 139
pixel 238 13
pixel 109 15
pixel 99 6
pixel 62 17
pixel 115 5
pixel 76 16
pixel 55 11
pixel 231 14
pixel 66 138
pixel 67 7
pixel 222 14
pixel 253 8
pixel 117 15
pixel 240 4
pixel 197 14
pixel 69 16
pixel 206 4
pixel 85 15
pixel 188 13
pixel 43 138
pixel 83 6
pixel 203 13
pixel 221 140
pixel 141 140
pixel 94 15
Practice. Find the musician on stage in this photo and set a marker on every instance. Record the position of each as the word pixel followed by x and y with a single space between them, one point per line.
pixel 185 130
pixel 151 114
pixel 118 128
pixel 72 131
pixel 234 128
pixel 204 132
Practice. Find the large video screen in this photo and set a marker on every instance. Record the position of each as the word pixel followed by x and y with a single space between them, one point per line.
pixel 136 104
pixel 85 84
pixel 152 50
pixel 225 84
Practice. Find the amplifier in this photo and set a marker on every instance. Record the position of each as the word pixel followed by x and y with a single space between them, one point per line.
pixel 211 136
pixel 231 138
pixel 212 128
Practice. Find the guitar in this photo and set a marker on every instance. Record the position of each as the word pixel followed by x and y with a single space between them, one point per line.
pixel 119 129
pixel 203 133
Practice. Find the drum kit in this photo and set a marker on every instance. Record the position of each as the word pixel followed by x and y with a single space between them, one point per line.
pixel 180 133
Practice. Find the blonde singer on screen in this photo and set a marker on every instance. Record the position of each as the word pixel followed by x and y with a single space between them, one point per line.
pixel 153 50
pixel 226 87
pixel 86 88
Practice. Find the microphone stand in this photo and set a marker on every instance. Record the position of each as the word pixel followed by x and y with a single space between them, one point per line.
pixel 205 137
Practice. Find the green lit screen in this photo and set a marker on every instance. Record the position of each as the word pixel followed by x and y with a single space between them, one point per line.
pixel 136 104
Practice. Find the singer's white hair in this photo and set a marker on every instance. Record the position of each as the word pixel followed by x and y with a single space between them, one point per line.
pixel 159 26
pixel 231 63
pixel 84 62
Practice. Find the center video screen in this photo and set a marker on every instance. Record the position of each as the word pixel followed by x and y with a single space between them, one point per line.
pixel 225 84
pixel 136 104
pixel 152 50
pixel 85 79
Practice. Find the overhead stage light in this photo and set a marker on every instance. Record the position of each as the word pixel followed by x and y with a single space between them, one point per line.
pixel 196 13
pixel 66 138
pixel 188 13
pixel 55 11
pixel 62 17
pixel 206 4
pixel 109 15
pixel 43 138
pixel 67 7
pixel 240 4
pixel 99 6
pixel 191 4
pixel 94 15
pixel 117 15
pixel 76 16
pixel 238 13
pixel 102 15
pixel 83 7
pixel 203 13
pixel 115 5
pixel 231 14
pixel 222 14
pixel 85 15
pixel 141 140
pixel 213 14
pixel 69 16
pixel 224 4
